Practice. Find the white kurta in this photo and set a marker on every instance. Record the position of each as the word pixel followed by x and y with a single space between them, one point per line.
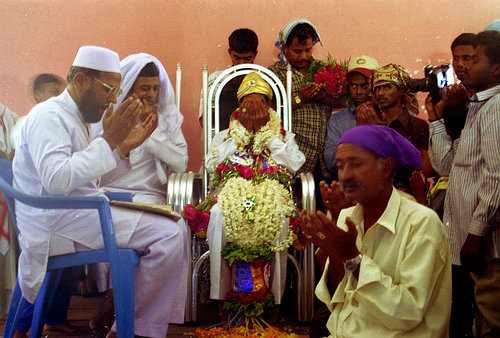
pixel 284 153
pixel 57 156
pixel 404 284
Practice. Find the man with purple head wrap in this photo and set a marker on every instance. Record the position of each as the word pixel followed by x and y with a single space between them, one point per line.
pixel 393 253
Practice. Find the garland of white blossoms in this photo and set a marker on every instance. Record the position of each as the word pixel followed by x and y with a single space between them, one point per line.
pixel 261 140
pixel 272 206
pixel 255 213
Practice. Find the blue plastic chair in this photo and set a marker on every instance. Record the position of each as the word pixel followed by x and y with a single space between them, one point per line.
pixel 122 261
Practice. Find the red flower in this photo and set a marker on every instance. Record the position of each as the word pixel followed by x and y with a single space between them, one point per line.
pixel 245 172
pixel 189 212
pixel 220 168
pixel 294 224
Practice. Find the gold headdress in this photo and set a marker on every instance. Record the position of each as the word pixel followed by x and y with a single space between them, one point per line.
pixel 253 83
pixel 399 76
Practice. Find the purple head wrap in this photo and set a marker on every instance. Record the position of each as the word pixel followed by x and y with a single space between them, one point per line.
pixel 384 142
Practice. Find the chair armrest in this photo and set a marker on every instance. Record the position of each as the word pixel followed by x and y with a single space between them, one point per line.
pixel 183 189
pixel 119 196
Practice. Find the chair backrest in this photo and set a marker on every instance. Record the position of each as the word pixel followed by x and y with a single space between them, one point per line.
pixel 211 97
pixel 7 176
pixel 178 83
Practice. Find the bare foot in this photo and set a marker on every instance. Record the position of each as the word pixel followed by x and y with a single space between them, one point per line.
pixel 62 327
pixel 19 334
pixel 103 319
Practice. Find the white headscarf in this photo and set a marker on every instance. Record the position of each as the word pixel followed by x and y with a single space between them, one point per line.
pixel 285 32
pixel 493 26
pixel 169 117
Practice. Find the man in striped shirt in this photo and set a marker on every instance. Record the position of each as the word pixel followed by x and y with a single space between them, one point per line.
pixel 472 205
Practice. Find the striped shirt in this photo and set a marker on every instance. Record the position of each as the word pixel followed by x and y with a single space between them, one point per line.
pixel 472 204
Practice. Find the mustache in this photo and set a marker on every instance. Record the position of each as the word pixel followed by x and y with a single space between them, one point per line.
pixel 351 184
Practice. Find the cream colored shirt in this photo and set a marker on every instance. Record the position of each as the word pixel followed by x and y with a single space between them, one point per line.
pixel 404 285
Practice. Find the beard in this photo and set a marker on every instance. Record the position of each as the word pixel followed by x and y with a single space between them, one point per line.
pixel 89 108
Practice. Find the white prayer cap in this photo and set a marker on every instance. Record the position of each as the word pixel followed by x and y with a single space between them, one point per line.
pixel 98 58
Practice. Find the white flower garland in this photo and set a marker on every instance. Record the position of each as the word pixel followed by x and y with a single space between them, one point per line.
pixel 273 206
pixel 261 139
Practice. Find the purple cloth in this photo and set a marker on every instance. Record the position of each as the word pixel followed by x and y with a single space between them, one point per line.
pixel 384 142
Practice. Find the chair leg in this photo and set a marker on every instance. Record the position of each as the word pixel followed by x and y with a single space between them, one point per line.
pixel 17 304
pixel 43 300
pixel 123 295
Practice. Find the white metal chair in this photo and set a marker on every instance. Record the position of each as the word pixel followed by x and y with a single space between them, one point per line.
pixel 191 188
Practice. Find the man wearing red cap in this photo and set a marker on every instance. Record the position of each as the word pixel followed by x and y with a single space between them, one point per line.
pixel 397 271
pixel 358 76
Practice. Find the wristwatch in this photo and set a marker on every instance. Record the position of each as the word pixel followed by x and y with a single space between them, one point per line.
pixel 352 264
pixel 297 99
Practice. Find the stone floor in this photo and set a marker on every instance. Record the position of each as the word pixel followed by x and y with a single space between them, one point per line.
pixel 82 309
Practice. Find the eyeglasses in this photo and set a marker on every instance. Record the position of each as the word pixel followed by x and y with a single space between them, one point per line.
pixel 112 90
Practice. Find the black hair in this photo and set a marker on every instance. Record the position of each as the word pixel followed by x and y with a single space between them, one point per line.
pixel 149 70
pixel 464 39
pixel 302 32
pixel 45 78
pixel 491 40
pixel 243 40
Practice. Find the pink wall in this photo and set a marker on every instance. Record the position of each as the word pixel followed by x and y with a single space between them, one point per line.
pixel 43 36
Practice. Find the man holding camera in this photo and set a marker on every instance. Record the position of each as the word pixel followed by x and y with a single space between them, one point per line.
pixel 447 119
pixel 472 205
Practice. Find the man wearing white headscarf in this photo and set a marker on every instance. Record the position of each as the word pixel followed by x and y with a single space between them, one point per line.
pixel 70 162
pixel 309 119
pixel 166 149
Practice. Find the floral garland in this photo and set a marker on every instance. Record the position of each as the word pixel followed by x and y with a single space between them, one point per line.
pixel 334 76
pixel 255 213
pixel 260 216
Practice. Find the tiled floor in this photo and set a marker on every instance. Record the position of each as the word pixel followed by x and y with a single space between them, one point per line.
pixel 82 309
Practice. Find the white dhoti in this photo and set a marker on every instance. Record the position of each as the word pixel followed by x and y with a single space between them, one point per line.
pixel 160 278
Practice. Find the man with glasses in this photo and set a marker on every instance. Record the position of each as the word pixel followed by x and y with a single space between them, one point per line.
pixel 57 155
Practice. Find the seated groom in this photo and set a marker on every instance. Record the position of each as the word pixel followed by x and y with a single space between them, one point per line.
pixel 56 155
pixel 395 253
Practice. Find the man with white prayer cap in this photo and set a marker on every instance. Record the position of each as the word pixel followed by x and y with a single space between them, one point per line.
pixel 395 253
pixel 70 162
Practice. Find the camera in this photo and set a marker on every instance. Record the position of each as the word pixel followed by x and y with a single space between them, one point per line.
pixel 436 78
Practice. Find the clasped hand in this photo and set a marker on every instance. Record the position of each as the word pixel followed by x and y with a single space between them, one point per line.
pixel 253 114
pixel 120 125
pixel 366 114
pixel 328 236
pixel 333 198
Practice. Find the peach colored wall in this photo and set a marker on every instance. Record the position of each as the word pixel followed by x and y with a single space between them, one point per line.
pixel 43 36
